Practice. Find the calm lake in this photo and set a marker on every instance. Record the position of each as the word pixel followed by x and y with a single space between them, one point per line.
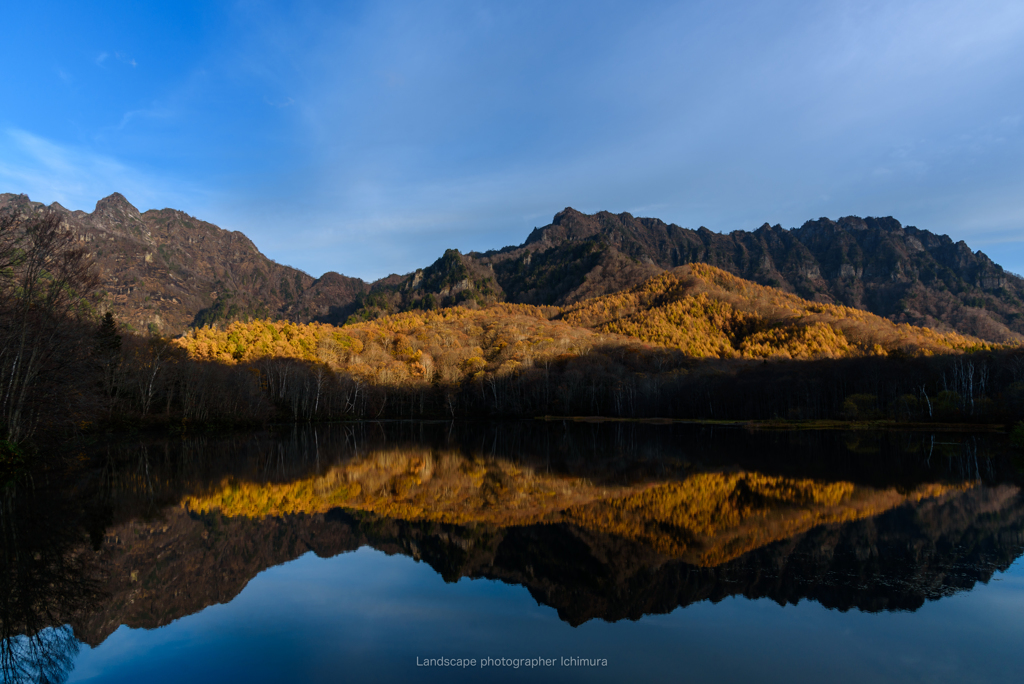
pixel 533 551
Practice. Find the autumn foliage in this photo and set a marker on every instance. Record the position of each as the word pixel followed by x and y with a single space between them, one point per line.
pixel 707 312
pixel 690 343
pixel 699 310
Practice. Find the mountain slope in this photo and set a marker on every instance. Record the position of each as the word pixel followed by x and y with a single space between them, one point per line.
pixel 165 270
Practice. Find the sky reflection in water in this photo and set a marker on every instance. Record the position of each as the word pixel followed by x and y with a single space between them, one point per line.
pixel 365 616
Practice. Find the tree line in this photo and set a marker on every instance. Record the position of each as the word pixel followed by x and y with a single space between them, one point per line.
pixel 749 352
pixel 521 367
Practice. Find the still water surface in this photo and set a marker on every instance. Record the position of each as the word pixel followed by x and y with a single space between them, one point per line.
pixel 350 553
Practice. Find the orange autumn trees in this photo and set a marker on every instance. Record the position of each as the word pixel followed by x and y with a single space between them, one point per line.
pixel 261 339
pixel 446 345
pixel 707 312
pixel 699 310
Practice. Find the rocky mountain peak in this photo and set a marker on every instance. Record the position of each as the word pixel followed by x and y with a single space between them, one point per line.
pixel 116 202
pixel 568 224
pixel 567 216
pixel 117 213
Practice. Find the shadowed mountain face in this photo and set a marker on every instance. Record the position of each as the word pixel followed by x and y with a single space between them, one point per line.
pixel 609 522
pixel 165 269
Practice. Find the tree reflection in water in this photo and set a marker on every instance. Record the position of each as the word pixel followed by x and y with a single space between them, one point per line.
pixel 48 656
pixel 44 583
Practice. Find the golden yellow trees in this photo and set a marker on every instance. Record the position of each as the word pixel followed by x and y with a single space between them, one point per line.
pixel 705 312
pixel 695 312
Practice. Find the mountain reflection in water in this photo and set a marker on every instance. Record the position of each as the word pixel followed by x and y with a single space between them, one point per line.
pixel 607 521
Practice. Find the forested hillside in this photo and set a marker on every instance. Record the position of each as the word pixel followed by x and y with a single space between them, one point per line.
pixel 700 311
pixel 704 311
pixel 695 343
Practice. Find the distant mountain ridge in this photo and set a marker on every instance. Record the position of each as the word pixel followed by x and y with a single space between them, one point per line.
pixel 875 264
pixel 166 270
pixel 905 274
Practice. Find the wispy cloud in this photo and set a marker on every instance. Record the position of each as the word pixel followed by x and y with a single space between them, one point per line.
pixel 77 177
pixel 155 112
pixel 280 104
pixel 119 56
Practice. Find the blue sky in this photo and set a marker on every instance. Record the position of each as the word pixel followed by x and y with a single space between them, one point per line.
pixel 366 138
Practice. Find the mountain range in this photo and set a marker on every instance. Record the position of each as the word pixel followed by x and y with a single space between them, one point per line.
pixel 165 271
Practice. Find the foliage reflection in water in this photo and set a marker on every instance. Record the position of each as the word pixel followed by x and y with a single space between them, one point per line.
pixel 604 521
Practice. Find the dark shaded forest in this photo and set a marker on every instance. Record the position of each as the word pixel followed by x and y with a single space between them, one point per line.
pixel 156 382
